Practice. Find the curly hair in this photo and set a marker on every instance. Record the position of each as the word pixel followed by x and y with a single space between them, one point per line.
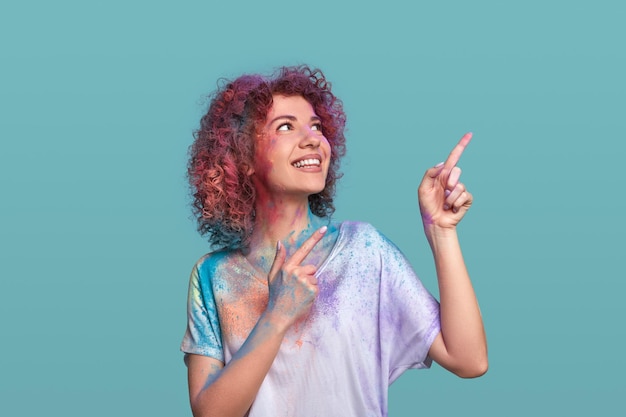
pixel 224 148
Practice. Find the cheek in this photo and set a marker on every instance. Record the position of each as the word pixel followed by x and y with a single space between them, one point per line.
pixel 263 166
pixel 326 144
pixel 263 156
pixel 327 148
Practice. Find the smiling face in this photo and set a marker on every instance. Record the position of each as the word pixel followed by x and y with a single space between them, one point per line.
pixel 292 154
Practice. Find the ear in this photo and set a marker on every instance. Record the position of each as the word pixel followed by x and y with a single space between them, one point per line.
pixel 250 171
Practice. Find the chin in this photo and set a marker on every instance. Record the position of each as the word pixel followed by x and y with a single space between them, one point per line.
pixel 317 190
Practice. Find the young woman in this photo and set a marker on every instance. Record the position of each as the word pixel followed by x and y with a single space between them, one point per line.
pixel 294 314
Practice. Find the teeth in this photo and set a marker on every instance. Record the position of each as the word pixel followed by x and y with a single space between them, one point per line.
pixel 307 162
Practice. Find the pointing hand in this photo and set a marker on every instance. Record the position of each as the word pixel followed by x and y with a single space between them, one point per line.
pixel 292 286
pixel 443 200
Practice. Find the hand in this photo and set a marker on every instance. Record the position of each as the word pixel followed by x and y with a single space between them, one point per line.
pixel 292 286
pixel 443 200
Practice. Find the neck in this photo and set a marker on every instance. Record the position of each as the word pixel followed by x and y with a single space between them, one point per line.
pixel 290 222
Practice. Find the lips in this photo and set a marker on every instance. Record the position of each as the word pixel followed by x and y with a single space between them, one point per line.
pixel 308 161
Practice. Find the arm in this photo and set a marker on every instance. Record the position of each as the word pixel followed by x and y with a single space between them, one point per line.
pixel 218 390
pixel 215 390
pixel 461 347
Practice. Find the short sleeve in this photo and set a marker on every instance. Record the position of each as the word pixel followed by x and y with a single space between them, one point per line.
pixel 409 314
pixel 203 334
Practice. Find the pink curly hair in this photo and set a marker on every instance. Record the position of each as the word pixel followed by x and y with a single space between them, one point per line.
pixel 223 150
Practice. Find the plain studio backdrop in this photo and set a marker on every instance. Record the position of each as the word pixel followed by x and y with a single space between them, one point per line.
pixel 98 102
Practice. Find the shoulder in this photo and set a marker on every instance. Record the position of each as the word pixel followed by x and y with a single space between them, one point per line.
pixel 363 233
pixel 365 239
pixel 356 229
pixel 208 265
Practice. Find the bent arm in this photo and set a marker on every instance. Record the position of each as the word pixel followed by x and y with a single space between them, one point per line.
pixel 215 390
pixel 218 390
pixel 461 347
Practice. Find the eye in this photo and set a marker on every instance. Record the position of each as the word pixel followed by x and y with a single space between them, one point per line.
pixel 317 126
pixel 285 127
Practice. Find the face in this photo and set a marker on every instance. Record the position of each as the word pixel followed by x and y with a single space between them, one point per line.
pixel 292 154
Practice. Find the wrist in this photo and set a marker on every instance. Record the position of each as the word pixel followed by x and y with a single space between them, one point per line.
pixel 274 321
pixel 435 232
pixel 440 237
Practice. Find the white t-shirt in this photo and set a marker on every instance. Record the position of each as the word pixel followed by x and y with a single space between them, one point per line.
pixel 372 320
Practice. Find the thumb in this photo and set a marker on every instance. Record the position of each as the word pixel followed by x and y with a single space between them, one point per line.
pixel 278 262
pixel 431 175
pixel 434 171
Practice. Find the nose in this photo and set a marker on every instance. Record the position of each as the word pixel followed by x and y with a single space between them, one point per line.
pixel 310 138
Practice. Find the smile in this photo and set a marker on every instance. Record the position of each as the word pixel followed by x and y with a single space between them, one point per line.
pixel 307 163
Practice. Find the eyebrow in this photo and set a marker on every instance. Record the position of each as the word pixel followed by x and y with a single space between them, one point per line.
pixel 292 118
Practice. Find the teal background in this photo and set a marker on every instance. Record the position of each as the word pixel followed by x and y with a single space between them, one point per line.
pixel 97 104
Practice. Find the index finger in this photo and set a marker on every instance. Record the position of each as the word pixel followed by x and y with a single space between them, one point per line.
pixel 308 245
pixel 456 153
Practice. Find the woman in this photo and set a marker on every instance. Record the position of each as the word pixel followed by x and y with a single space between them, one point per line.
pixel 295 315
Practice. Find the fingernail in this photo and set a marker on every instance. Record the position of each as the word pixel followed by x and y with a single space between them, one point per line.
pixel 440 164
pixel 278 245
pixel 323 229
pixel 454 210
pixel 446 206
pixel 446 193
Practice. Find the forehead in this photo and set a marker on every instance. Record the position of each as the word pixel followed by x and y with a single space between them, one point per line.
pixel 290 106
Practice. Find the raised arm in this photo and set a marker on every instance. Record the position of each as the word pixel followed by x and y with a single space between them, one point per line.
pixel 218 390
pixel 461 347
